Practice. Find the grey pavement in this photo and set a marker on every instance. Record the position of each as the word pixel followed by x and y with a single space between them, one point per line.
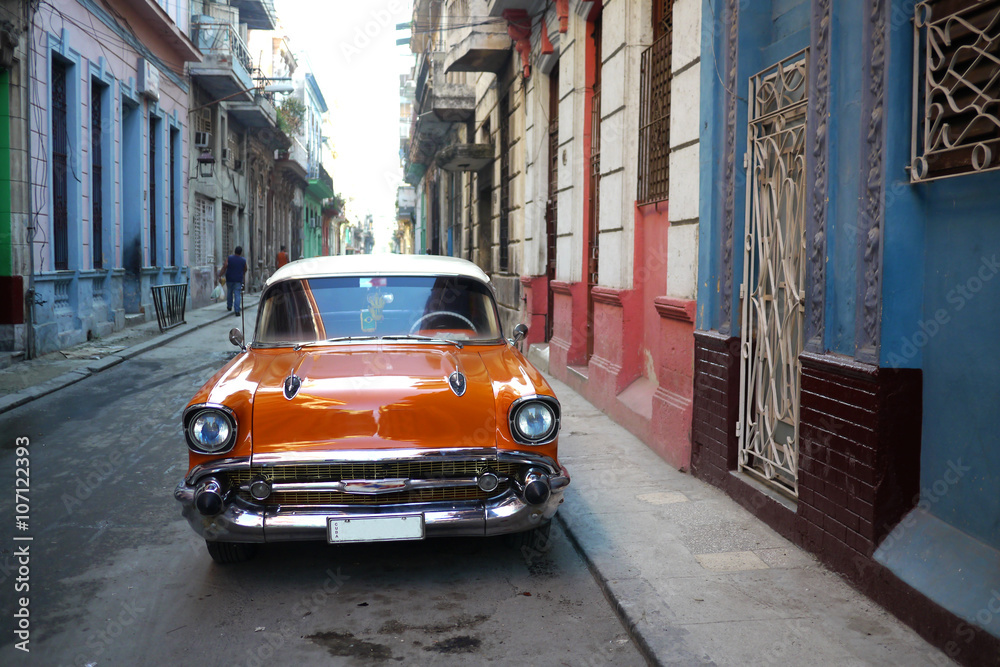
pixel 697 579
pixel 24 381
pixel 694 577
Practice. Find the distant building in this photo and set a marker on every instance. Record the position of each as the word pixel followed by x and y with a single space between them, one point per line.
pixel 233 131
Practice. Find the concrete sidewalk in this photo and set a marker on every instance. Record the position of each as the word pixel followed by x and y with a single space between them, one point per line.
pixel 24 381
pixel 694 577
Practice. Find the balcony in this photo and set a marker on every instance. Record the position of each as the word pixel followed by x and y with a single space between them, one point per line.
pixel 256 114
pixel 464 157
pixel 257 14
pixel 532 7
pixel 320 184
pixel 478 46
pixel 446 96
pixel 294 159
pixel 225 69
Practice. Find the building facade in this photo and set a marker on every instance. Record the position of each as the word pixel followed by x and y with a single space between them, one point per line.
pixel 228 110
pixel 108 164
pixel 562 168
pixel 15 258
pixel 844 374
pixel 320 184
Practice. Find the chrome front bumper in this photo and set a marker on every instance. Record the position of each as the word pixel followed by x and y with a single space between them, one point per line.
pixel 245 521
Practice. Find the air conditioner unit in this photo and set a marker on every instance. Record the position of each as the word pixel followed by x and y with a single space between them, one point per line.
pixel 202 139
pixel 227 155
pixel 149 80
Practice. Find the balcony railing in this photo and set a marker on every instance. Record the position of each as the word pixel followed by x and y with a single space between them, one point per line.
pixel 221 39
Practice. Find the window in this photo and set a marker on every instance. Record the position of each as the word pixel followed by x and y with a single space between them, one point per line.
pixel 504 112
pixel 228 231
pixel 174 179
pixel 154 178
pixel 956 89
pixel 203 231
pixel 97 175
pixel 60 166
pixel 654 109
pixel 233 159
pixel 452 307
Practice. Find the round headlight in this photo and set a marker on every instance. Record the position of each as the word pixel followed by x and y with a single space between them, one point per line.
pixel 211 431
pixel 534 422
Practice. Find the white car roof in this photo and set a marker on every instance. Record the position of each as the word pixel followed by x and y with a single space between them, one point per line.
pixel 378 265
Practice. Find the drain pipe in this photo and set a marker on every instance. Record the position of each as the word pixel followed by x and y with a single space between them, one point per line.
pixel 29 320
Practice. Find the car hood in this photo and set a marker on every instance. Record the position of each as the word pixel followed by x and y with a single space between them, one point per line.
pixel 373 398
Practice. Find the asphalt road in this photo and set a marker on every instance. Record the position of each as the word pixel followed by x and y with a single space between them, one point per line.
pixel 115 576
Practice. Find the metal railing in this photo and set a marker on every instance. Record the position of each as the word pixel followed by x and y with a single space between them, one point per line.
pixel 170 301
pixel 220 38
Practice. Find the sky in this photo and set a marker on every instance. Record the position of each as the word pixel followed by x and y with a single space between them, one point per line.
pixel 350 47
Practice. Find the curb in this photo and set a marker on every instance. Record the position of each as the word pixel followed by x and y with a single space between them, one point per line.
pixel 24 396
pixel 634 627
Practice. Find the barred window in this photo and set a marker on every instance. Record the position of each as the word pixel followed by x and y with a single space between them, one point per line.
pixel 956 90
pixel 504 260
pixel 654 109
pixel 202 242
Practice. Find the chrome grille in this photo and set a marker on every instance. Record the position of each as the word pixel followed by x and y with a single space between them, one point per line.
pixel 335 472
pixel 418 496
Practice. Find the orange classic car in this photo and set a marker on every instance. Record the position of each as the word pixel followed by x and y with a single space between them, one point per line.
pixel 378 400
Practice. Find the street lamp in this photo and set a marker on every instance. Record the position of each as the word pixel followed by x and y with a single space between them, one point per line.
pixel 206 163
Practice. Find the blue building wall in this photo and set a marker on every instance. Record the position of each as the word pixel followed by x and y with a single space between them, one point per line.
pixel 768 32
pixel 940 294
pixel 846 53
pixel 940 280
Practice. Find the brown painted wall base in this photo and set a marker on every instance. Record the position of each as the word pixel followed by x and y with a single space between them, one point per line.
pixel 859 457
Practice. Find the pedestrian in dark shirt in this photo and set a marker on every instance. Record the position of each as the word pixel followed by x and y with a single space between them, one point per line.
pixel 234 270
pixel 282 258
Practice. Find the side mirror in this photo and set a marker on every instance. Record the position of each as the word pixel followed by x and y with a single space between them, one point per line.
pixel 520 331
pixel 236 338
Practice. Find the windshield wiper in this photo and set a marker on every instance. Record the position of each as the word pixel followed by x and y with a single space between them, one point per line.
pixel 337 339
pixel 429 339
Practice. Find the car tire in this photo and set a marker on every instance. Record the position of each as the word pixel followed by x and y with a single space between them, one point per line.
pixel 226 553
pixel 537 540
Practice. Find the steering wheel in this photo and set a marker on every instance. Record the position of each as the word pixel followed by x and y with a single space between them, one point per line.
pixel 464 319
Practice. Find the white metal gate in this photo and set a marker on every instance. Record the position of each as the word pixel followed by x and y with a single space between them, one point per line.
pixel 773 289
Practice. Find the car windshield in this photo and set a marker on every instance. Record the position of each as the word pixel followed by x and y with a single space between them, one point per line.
pixel 320 309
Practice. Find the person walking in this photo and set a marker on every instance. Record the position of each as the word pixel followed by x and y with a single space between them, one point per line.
pixel 234 270
pixel 282 258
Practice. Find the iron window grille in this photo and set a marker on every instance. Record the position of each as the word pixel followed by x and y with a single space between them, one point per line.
pixel 97 173
pixel 504 182
pixel 956 89
pixel 654 112
pixel 60 166
pixel 154 128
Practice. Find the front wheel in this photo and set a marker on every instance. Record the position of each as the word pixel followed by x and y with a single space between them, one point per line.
pixel 226 553
pixel 537 540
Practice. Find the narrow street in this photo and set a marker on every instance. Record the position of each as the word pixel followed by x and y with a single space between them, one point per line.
pixel 117 577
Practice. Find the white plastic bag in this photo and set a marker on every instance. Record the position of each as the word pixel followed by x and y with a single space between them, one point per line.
pixel 217 293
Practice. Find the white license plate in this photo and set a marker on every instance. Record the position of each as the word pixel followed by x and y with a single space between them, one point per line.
pixel 375 528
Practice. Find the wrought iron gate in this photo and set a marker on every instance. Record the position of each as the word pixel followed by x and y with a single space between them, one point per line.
pixel 773 288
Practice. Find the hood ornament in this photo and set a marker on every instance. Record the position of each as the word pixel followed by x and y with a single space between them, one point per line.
pixel 292 385
pixel 457 382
